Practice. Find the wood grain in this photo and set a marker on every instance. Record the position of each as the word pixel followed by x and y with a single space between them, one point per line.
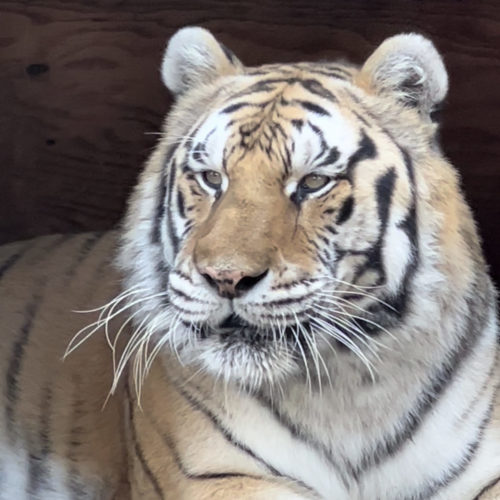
pixel 81 98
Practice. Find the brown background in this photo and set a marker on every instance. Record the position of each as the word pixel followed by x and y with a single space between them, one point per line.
pixel 81 98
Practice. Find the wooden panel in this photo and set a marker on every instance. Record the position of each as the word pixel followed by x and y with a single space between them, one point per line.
pixel 81 99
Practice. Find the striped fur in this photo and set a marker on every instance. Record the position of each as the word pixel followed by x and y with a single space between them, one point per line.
pixel 56 442
pixel 289 340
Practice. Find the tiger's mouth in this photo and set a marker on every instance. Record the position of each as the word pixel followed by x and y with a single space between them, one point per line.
pixel 233 321
pixel 235 329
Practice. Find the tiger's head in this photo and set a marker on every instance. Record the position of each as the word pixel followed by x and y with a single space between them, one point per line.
pixel 277 220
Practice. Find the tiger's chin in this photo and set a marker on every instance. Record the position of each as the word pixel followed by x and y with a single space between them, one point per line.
pixel 250 357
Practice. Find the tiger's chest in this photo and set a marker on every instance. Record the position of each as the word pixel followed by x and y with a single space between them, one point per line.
pixel 202 438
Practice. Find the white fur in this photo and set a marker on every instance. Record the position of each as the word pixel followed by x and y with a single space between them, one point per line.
pixel 404 56
pixel 193 58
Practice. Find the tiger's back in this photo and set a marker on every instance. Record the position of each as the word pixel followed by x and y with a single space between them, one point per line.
pixel 58 440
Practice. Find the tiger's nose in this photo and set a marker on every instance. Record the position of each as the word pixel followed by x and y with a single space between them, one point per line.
pixel 230 283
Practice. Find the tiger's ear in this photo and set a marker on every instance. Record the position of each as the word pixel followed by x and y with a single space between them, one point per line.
pixel 409 67
pixel 193 58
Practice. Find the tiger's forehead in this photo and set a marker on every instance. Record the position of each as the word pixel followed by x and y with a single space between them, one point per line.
pixel 297 124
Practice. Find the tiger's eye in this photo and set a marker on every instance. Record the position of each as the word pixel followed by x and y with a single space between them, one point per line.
pixel 212 178
pixel 314 182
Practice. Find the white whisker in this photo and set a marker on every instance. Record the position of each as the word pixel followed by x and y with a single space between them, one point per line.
pixel 349 343
pixel 352 329
pixel 349 315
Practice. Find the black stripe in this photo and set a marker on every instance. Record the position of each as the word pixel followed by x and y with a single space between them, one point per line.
pixel 362 119
pixel 180 203
pixel 235 107
pixel 287 160
pixel 189 226
pixel 332 72
pixel 162 194
pixel 265 85
pixel 187 312
pixel 170 444
pixel 182 275
pixel 160 211
pixel 321 137
pixel 312 242
pixel 324 239
pixel 311 106
pixel 170 218
pixel 299 433
pixel 324 260
pixel 75 484
pixel 287 286
pixel 347 71
pixel 279 128
pixel 186 297
pixel 11 260
pixel 487 384
pixel 366 151
pixel 247 129
pixel 89 243
pixel 282 302
pixel 38 469
pixel 315 87
pixel 384 189
pixel 137 448
pixel 199 153
pixel 162 272
pixel 289 317
pixel 266 69
pixel 186 169
pixel 457 469
pixel 409 226
pixel 331 157
pixel 222 475
pixel 345 210
pixel 194 191
pixel 16 360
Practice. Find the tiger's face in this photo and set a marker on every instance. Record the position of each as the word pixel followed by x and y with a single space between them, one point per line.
pixel 284 225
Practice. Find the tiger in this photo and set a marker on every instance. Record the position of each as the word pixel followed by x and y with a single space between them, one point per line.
pixel 296 305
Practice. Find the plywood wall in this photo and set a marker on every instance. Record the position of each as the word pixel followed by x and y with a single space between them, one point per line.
pixel 81 99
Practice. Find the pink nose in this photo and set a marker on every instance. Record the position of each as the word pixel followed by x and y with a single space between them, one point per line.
pixel 230 283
